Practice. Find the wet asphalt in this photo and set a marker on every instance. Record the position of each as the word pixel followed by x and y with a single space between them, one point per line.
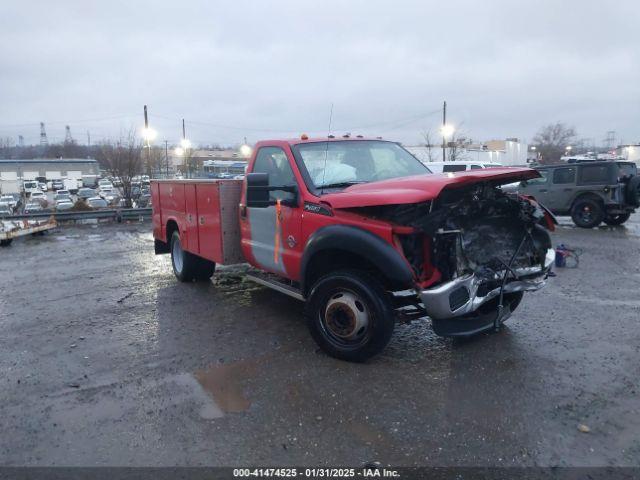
pixel 107 360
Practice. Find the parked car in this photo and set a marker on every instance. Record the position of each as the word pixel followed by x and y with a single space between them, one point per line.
pixel 104 183
pixel 62 195
pixel 446 167
pixel 64 205
pixel 97 202
pixel 30 186
pixel 5 210
pixel 33 208
pixel 43 186
pixel 143 201
pixel 57 185
pixel 111 197
pixel 591 192
pixel 9 199
pixel 39 196
pixel 86 193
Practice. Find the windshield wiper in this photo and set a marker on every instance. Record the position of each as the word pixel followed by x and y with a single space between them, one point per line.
pixel 341 184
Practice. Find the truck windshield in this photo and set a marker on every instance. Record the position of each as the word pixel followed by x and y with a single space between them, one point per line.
pixel 342 163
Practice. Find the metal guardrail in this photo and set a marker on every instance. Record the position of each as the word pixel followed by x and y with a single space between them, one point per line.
pixel 113 213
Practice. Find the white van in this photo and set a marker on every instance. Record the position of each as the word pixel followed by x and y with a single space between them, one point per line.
pixel 30 186
pixel 446 167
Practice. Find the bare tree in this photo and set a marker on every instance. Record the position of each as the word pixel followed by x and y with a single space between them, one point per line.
pixel 552 140
pixel 456 148
pixel 428 143
pixel 123 160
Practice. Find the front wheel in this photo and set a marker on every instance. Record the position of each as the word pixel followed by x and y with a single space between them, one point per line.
pixel 350 315
pixel 187 266
pixel 587 213
pixel 614 220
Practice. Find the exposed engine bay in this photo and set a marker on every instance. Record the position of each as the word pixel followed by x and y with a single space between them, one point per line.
pixel 486 244
pixel 476 229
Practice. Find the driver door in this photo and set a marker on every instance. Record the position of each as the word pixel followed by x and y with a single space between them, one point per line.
pixel 273 232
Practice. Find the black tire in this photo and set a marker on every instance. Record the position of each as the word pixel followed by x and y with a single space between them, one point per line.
pixel 587 213
pixel 6 242
pixel 633 191
pixel 614 220
pixel 188 267
pixel 205 269
pixel 362 319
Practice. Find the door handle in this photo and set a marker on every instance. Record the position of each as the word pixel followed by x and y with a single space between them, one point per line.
pixel 543 190
pixel 568 189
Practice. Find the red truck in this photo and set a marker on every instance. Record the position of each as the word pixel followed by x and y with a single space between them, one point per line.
pixel 364 234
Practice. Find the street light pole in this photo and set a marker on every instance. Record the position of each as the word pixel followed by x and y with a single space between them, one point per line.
pixel 187 160
pixel 146 129
pixel 444 122
pixel 166 156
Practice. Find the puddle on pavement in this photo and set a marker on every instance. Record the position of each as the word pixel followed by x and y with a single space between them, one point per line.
pixel 225 384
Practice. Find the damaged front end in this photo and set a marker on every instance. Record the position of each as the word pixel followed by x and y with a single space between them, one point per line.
pixel 474 251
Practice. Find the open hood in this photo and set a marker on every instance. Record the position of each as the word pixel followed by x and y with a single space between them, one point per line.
pixel 421 188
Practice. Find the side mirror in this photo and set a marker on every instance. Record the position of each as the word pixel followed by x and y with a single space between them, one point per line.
pixel 258 189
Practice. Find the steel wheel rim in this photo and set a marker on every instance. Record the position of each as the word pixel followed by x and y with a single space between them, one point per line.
pixel 345 319
pixel 176 254
pixel 586 215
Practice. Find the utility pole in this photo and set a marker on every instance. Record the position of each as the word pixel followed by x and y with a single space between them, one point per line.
pixel 166 156
pixel 185 152
pixel 146 129
pixel 43 136
pixel 88 138
pixel 444 122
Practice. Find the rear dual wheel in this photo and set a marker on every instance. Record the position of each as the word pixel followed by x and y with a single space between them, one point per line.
pixel 188 267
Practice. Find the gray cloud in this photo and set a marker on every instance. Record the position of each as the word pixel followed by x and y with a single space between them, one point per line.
pixel 264 69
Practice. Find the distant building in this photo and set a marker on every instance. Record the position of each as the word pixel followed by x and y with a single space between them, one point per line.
pixel 630 152
pixel 199 158
pixel 507 152
pixel 46 169
pixel 217 168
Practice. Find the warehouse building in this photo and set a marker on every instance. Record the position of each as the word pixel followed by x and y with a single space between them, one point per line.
pixel 44 169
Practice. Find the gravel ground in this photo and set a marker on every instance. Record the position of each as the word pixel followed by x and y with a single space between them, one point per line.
pixel 107 360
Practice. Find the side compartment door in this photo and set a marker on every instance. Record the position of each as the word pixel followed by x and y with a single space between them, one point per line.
pixel 274 232
pixel 191 218
pixel 209 221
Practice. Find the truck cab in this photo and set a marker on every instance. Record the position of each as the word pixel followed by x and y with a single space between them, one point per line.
pixel 364 234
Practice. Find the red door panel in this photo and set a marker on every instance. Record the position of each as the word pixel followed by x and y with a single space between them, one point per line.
pixel 210 239
pixel 191 218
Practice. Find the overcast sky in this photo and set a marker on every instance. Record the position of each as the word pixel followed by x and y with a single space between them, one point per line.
pixel 266 69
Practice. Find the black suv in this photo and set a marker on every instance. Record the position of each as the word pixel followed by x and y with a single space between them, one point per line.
pixel 591 192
